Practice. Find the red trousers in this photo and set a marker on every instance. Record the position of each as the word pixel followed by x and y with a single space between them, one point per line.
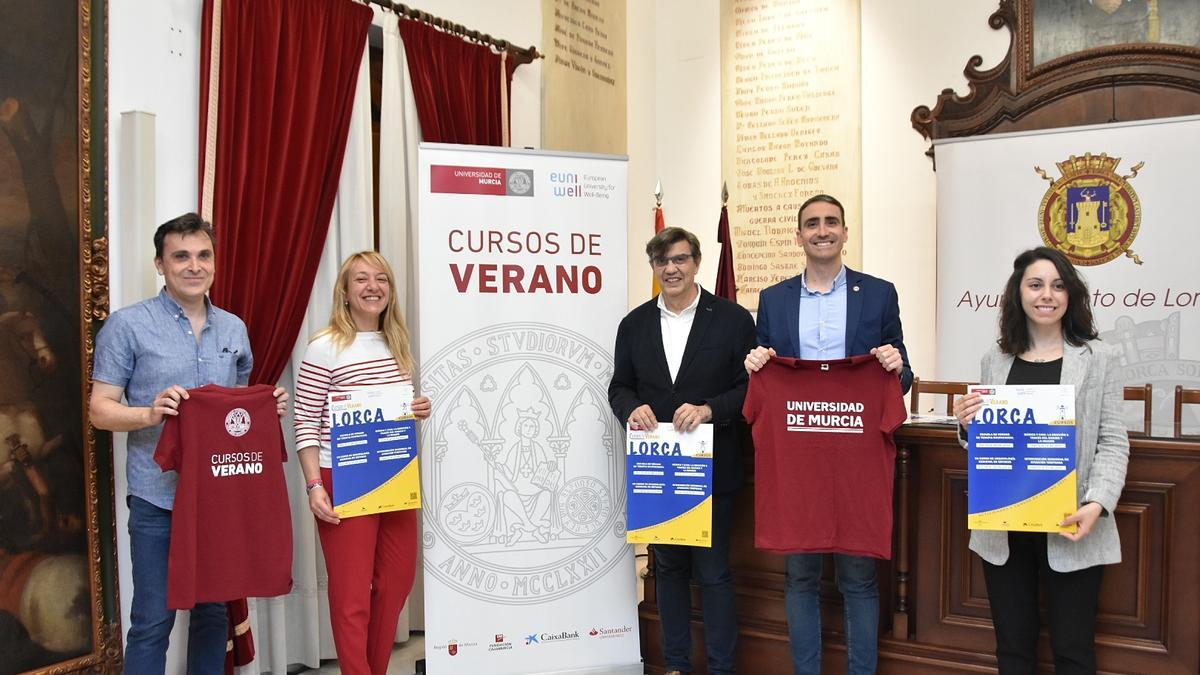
pixel 371 561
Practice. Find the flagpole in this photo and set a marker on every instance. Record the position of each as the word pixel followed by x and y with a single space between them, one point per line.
pixel 726 286
pixel 659 224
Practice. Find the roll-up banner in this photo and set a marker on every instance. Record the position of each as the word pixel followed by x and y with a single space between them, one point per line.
pixel 1117 199
pixel 522 282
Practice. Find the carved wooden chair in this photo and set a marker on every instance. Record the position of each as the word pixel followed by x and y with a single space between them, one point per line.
pixel 1145 394
pixel 1183 396
pixel 949 389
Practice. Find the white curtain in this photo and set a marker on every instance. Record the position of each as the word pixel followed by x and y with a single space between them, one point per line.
pixel 295 628
pixel 399 134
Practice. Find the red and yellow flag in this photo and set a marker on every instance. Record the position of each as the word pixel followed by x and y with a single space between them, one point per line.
pixel 659 224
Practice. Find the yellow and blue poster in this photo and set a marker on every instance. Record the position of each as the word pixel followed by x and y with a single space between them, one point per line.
pixel 1021 458
pixel 373 440
pixel 669 477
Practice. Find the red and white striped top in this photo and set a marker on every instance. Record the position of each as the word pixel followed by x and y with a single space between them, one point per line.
pixel 365 363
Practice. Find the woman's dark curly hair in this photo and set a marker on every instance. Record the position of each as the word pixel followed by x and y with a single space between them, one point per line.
pixel 1077 324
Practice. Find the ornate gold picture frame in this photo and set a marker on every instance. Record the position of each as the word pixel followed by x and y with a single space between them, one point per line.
pixel 58 599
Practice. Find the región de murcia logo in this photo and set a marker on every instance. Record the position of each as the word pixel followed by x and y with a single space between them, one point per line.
pixel 526 498
pixel 1091 213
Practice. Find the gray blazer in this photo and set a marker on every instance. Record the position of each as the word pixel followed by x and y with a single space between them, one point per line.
pixel 1101 454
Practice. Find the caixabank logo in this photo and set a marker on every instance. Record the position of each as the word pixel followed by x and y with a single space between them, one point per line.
pixel 1091 213
pixel 549 638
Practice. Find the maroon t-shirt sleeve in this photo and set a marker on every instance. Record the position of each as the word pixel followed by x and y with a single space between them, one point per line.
pixel 283 452
pixel 167 454
pixel 750 406
pixel 894 413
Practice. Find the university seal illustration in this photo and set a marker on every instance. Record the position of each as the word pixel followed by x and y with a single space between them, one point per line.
pixel 1091 213
pixel 237 422
pixel 525 494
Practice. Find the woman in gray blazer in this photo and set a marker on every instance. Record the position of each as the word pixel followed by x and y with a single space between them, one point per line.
pixel 1047 336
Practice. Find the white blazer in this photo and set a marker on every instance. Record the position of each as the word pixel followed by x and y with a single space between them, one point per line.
pixel 1101 454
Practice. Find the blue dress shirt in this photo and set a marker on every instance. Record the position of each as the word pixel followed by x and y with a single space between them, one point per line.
pixel 145 348
pixel 823 319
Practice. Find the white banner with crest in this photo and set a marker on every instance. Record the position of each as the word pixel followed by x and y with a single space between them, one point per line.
pixel 1117 199
pixel 522 282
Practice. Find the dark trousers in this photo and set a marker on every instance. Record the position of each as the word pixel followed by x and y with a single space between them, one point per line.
pixel 673 568
pixel 1071 600
pixel 150 620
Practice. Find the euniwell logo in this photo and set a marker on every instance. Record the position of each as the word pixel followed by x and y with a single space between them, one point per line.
pixel 565 184
pixel 480 180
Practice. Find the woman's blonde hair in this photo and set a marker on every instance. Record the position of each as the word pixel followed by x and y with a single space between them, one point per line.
pixel 341 328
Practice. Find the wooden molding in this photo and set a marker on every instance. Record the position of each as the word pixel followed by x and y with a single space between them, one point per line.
pixel 1095 86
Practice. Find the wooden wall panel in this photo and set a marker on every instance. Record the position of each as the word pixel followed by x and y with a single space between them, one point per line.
pixel 1149 607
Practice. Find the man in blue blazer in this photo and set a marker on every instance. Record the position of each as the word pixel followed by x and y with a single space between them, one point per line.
pixel 830 312
pixel 679 360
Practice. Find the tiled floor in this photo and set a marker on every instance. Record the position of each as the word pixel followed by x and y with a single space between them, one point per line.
pixel 404 659
pixel 405 656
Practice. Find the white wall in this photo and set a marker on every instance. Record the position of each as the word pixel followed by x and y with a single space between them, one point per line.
pixel 153 66
pixel 910 52
pixel 641 129
pixel 687 129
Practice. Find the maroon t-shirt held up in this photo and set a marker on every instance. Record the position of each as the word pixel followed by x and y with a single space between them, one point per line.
pixel 824 456
pixel 231 529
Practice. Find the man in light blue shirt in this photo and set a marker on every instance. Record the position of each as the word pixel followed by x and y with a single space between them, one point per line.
pixel 147 356
pixel 830 312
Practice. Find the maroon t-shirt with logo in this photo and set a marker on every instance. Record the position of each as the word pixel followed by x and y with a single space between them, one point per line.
pixel 231 530
pixel 824 458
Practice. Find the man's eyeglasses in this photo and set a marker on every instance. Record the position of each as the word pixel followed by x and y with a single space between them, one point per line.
pixel 676 260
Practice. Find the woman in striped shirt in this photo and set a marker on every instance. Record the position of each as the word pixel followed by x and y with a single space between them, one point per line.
pixel 371 559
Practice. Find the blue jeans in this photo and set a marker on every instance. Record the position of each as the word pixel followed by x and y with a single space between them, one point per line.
pixel 860 594
pixel 673 567
pixel 150 621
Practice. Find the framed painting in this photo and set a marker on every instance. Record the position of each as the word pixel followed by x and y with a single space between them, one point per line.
pixel 58 599
pixel 1065 27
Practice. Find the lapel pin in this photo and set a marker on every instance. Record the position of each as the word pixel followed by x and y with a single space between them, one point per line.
pixel 856 289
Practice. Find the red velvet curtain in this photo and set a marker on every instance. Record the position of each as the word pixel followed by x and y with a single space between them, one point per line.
pixel 457 86
pixel 287 74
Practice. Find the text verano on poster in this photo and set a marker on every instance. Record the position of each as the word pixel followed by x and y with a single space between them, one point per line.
pixel 511 278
